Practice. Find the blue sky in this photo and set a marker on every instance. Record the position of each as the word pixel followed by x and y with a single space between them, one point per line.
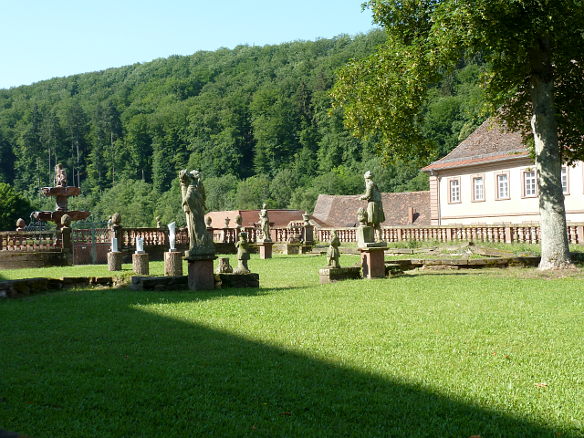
pixel 42 39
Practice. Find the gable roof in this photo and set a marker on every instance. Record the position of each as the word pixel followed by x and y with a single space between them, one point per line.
pixel 341 210
pixel 490 142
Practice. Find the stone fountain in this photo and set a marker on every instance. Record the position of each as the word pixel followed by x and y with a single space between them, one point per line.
pixel 61 191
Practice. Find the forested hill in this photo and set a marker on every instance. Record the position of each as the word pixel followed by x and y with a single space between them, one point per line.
pixel 255 120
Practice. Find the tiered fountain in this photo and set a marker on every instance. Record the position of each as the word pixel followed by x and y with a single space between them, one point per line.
pixel 61 192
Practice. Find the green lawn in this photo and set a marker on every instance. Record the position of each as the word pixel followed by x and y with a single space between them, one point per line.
pixel 496 353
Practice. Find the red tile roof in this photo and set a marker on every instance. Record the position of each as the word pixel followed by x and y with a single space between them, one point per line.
pixel 278 218
pixel 341 210
pixel 490 142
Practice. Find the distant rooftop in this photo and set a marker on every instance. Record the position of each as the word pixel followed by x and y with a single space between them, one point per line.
pixel 490 142
pixel 341 210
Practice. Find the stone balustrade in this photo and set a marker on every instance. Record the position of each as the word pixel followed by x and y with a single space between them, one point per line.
pixel 527 233
pixel 30 241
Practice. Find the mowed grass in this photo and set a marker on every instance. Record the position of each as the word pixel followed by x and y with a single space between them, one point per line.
pixel 497 353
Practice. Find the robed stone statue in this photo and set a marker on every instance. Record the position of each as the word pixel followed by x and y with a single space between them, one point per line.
pixel 193 204
pixel 375 212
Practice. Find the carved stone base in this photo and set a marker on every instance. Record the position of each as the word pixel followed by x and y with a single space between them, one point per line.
pixel 291 248
pixel 265 250
pixel 114 261
pixel 173 266
pixel 140 264
pixel 329 275
pixel 372 262
pixel 201 272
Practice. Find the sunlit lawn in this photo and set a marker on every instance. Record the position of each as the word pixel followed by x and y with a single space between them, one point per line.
pixel 493 353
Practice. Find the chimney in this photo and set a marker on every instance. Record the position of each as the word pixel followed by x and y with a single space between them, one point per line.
pixel 410 215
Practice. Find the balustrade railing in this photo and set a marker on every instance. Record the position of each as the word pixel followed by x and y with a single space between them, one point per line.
pixel 153 237
pixel 29 241
pixel 478 233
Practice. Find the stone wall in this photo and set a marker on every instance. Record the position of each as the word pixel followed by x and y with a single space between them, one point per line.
pixel 20 260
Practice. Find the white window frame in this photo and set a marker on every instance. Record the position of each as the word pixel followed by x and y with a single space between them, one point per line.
pixel 474 179
pixel 498 186
pixel 565 180
pixel 454 192
pixel 529 181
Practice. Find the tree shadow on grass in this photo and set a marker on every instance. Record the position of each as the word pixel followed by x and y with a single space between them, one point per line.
pixel 116 368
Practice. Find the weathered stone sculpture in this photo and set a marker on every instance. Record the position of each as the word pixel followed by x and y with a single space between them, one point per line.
pixel 365 235
pixel 208 221
pixel 227 220
pixel 374 205
pixel 265 224
pixel 201 252
pixel 158 224
pixel 224 267
pixel 61 192
pixel 238 222
pixel 242 246
pixel 193 203
pixel 172 257
pixel 333 252
pixel 172 236
pixel 60 176
pixel 20 224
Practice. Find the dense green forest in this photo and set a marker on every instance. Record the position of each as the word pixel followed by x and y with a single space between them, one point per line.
pixel 257 121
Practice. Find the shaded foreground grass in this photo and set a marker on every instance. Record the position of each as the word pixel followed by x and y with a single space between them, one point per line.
pixel 489 353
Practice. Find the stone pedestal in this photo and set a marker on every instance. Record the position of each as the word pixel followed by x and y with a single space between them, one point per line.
pixel 114 261
pixel 201 272
pixel 265 249
pixel 329 275
pixel 140 263
pixel 291 248
pixel 173 264
pixel 372 262
pixel 308 235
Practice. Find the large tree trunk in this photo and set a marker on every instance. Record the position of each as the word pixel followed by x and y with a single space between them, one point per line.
pixel 555 253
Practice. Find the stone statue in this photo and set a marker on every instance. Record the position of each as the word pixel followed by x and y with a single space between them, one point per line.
pixel 60 176
pixel 265 224
pixel 20 224
pixel 208 221
pixel 116 228
pixel 172 236
pixel 158 224
pixel 333 252
pixel 238 222
pixel 374 206
pixel 193 203
pixel 306 219
pixel 242 246
pixel 65 220
pixel 116 219
pixel 224 267
pixel 227 220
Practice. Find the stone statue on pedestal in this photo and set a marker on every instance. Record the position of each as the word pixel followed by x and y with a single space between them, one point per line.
pixel 242 246
pixel 265 224
pixel 193 203
pixel 374 205
pixel 60 176
pixel 333 252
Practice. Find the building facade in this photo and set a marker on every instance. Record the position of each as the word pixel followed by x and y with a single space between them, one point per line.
pixel 490 178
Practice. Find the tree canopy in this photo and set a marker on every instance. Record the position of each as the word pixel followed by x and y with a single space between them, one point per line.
pixel 531 76
pixel 250 112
